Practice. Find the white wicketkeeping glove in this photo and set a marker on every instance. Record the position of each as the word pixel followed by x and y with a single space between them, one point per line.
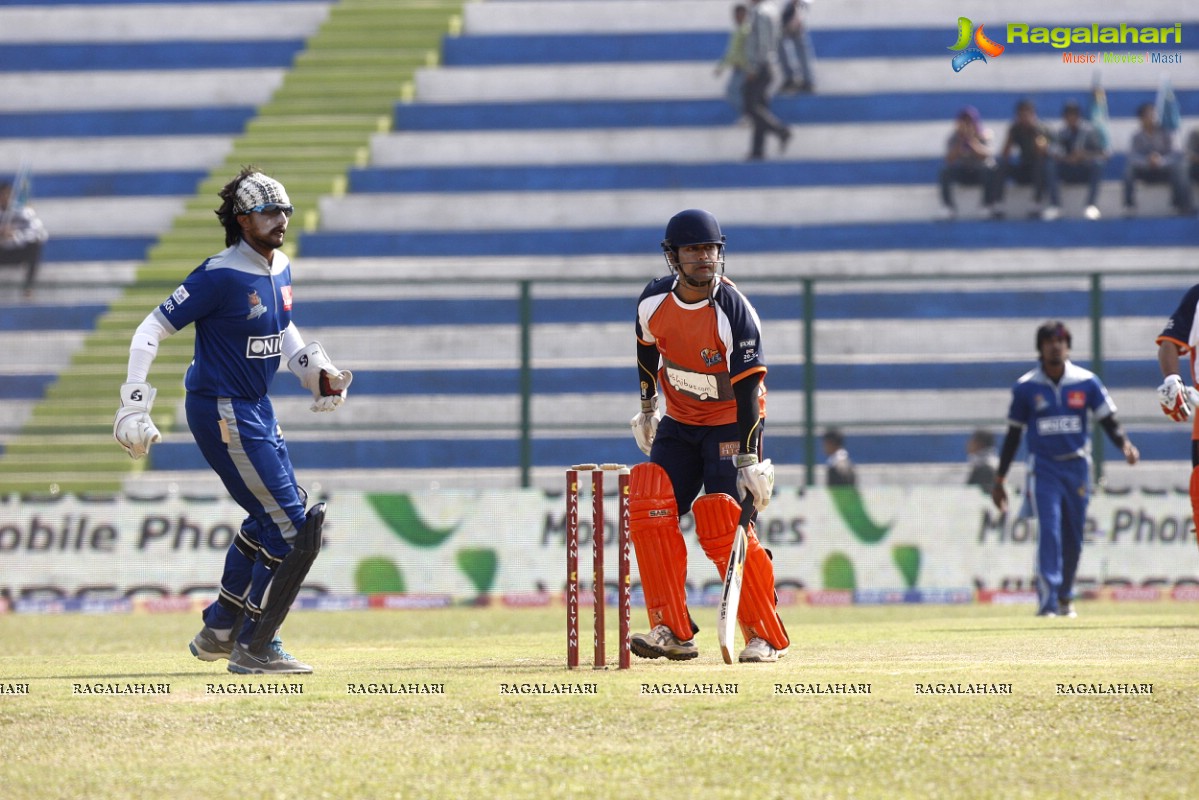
pixel 756 477
pixel 645 427
pixel 1177 399
pixel 328 384
pixel 133 429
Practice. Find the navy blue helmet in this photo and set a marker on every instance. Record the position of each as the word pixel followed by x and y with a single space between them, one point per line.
pixel 689 227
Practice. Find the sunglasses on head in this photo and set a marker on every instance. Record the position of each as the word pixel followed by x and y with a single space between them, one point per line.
pixel 271 208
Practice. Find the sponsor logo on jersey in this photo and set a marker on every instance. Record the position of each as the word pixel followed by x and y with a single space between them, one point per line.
pixel 711 357
pixel 257 309
pixel 1076 399
pixel 177 297
pixel 1053 426
pixel 264 346
pixel 285 291
pixel 703 387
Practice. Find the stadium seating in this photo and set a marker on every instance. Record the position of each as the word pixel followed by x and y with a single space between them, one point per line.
pixel 552 144
pixel 129 134
pixel 555 139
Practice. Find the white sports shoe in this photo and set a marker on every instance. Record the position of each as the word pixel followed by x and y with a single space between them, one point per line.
pixel 660 642
pixel 1092 212
pixel 1050 213
pixel 760 651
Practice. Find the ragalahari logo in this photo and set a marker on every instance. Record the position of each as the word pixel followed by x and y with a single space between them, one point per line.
pixel 981 48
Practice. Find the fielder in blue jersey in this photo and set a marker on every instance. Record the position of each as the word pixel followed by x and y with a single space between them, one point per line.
pixel 1054 403
pixel 240 301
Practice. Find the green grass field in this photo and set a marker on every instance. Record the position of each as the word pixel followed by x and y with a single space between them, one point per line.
pixel 629 738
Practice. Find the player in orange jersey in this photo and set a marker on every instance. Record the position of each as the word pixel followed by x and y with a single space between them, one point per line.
pixel 699 348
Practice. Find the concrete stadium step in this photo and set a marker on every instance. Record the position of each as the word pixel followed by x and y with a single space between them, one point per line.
pixel 90 281
pixel 829 46
pixel 882 176
pixel 615 16
pixel 1165 232
pixel 146 22
pixel 387 57
pixel 177 57
pixel 109 216
pixel 696 80
pixel 144 89
pixel 227 120
pixel 133 153
pixel 977 259
pixel 480 214
pixel 794 110
pixel 146 183
pixel 697 145
pixel 484 211
pixel 96 248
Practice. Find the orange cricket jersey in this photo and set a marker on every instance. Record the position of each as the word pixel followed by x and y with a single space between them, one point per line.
pixel 704 348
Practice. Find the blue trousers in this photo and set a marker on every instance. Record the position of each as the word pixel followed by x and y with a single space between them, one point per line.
pixel 1059 492
pixel 240 439
pixel 696 457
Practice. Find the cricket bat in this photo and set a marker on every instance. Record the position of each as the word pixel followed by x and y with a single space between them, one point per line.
pixel 730 599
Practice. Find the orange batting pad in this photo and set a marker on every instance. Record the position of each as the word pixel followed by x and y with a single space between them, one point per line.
pixel 1195 498
pixel 716 524
pixel 661 551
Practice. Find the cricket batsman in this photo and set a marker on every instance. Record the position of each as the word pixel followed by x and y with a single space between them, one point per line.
pixel 699 352
pixel 1179 338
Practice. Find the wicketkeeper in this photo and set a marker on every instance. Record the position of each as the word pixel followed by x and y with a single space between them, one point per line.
pixel 240 301
pixel 699 343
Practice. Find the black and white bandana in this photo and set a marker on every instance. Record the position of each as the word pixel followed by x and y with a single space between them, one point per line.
pixel 257 189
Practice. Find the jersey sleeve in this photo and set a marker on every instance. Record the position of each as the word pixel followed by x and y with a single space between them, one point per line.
pixel 652 296
pixel 744 335
pixel 1180 327
pixel 1019 413
pixel 1099 401
pixel 196 297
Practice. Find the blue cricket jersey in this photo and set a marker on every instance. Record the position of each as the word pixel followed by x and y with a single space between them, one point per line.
pixel 240 306
pixel 1055 416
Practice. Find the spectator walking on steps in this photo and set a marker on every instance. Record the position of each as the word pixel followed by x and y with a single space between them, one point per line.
pixel 795 49
pixel 761 58
pixel 734 59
